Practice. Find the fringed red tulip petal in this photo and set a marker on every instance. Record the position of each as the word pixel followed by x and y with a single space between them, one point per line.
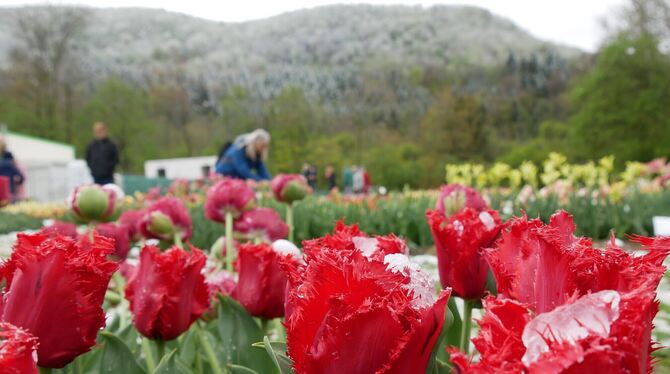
pixel 460 240
pixel 167 292
pixel 60 228
pixel 119 234
pixel 355 314
pixel 57 278
pixel 543 265
pixel 261 284
pixel 18 350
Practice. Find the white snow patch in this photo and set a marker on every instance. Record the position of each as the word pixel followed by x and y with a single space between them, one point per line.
pixel 420 282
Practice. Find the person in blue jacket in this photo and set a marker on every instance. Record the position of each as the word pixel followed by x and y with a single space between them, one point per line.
pixel 245 159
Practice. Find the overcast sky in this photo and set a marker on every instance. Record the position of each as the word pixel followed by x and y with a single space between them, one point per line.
pixel 572 22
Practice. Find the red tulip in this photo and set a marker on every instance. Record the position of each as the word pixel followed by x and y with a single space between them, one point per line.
pixel 95 203
pixel 221 282
pixel 606 332
pixel 132 220
pixel 18 350
pixel 60 228
pixel 228 195
pixel 166 218
pixel 167 292
pixel 55 289
pixel 288 188
pixel 120 235
pixel 543 265
pixel 350 238
pixel 459 241
pixel 261 285
pixel 261 223
pixel 454 197
pixel 354 314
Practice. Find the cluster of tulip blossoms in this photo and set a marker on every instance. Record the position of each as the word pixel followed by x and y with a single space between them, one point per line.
pixel 348 302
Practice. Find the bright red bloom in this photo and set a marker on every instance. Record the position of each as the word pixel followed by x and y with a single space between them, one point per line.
pixel 228 195
pixel 94 203
pixel 60 228
pixel 18 350
pixel 354 314
pixel 543 265
pixel 55 289
pixel 460 240
pixel 607 332
pixel 288 188
pixel 167 291
pixel 166 218
pixel 261 223
pixel 261 285
pixel 347 239
pixel 132 220
pixel 454 197
pixel 120 235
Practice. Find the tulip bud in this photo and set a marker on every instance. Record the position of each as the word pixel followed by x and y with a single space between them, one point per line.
pixel 228 196
pixel 454 197
pixel 93 203
pixel 166 218
pixel 453 202
pixel 289 188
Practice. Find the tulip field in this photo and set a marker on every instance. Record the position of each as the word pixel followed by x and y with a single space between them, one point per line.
pixel 223 276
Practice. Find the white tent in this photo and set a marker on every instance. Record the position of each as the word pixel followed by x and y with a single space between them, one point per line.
pixel 50 167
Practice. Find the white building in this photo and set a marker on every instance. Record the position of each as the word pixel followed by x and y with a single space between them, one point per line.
pixel 185 168
pixel 50 167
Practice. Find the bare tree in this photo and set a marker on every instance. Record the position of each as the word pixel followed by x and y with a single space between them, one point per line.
pixel 45 61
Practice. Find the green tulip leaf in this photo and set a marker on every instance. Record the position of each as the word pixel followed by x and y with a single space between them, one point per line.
pixel 117 357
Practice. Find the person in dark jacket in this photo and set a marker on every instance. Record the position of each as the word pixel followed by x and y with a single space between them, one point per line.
pixel 102 156
pixel 245 159
pixel 9 170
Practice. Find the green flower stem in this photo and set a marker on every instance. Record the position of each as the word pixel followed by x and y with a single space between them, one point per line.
pixel 148 356
pixel 160 349
pixel 466 325
pixel 209 351
pixel 120 288
pixel 229 241
pixel 91 228
pixel 45 370
pixel 265 325
pixel 177 241
pixel 289 221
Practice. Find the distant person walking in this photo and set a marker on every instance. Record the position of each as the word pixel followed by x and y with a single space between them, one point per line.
pixel 11 177
pixel 348 180
pixel 331 178
pixel 102 156
pixel 245 159
pixel 309 172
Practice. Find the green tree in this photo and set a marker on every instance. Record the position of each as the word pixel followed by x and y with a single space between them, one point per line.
pixel 125 109
pixel 623 104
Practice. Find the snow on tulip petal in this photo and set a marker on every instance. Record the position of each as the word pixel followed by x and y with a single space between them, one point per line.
pixel 543 265
pixel 349 239
pixel 57 277
pixel 355 314
pixel 18 350
pixel 591 315
pixel 228 195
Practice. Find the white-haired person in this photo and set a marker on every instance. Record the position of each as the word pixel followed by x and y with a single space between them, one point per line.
pixel 245 159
